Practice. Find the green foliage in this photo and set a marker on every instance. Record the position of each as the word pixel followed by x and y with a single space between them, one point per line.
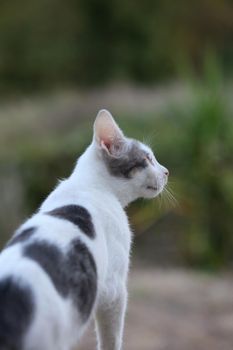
pixel 196 144
pixel 75 42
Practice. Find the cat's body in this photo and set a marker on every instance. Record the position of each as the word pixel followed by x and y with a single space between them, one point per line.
pixel 69 262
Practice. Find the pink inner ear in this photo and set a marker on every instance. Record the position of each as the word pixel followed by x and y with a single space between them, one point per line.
pixel 106 145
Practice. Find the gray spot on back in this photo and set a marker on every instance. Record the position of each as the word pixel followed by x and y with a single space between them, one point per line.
pixel 76 214
pixel 51 260
pixel 123 166
pixel 16 313
pixel 23 236
pixel 82 276
pixel 73 274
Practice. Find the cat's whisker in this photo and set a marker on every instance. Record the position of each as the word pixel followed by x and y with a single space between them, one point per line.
pixel 160 201
pixel 165 200
pixel 171 192
pixel 172 200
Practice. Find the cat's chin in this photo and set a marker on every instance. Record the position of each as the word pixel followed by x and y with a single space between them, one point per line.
pixel 152 192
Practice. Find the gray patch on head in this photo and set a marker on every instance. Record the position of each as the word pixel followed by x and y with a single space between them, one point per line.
pixel 122 166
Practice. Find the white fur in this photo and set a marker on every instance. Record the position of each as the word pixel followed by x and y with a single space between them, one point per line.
pixel 56 325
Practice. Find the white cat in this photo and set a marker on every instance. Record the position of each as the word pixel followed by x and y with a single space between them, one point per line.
pixel 69 262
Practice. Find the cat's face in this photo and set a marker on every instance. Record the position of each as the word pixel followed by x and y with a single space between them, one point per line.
pixel 131 163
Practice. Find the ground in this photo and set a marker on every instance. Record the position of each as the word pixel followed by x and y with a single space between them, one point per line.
pixel 176 310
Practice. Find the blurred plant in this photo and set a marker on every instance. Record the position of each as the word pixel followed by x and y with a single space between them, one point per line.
pixel 55 43
pixel 197 146
pixel 194 139
pixel 208 161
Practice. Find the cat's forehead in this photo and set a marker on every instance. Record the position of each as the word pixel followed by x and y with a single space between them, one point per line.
pixel 145 148
pixel 137 150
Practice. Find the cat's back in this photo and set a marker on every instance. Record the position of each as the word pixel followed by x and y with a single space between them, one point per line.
pixel 49 276
pixel 103 209
pixel 56 264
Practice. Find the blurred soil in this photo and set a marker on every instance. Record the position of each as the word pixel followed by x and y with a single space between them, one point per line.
pixel 176 310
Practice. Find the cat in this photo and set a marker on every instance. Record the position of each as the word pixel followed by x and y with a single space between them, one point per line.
pixel 68 263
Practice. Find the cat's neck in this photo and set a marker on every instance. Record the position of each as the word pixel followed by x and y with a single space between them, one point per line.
pixel 90 174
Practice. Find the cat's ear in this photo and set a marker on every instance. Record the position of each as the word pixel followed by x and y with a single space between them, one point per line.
pixel 107 133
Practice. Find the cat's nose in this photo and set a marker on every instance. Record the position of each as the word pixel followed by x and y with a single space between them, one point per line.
pixel 166 172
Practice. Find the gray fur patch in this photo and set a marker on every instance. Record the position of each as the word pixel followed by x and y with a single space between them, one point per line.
pixel 134 158
pixel 16 313
pixel 82 276
pixel 51 260
pixel 78 215
pixel 73 274
pixel 23 236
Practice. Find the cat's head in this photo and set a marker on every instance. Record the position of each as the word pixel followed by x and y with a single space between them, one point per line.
pixel 130 163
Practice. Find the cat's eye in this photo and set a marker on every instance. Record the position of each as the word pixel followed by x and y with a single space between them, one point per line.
pixel 148 157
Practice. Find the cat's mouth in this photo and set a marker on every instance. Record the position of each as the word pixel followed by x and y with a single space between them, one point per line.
pixel 152 188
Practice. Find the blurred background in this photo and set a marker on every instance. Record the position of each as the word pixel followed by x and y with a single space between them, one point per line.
pixel 164 69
